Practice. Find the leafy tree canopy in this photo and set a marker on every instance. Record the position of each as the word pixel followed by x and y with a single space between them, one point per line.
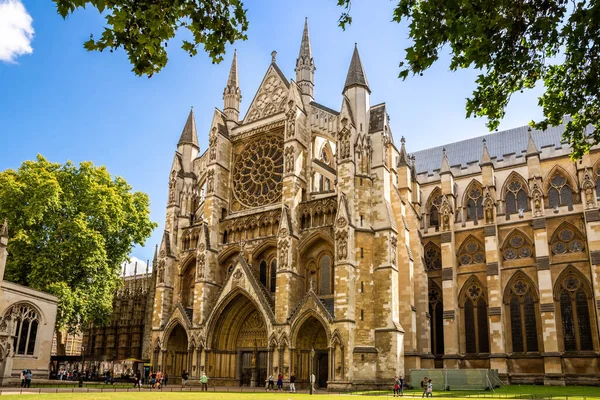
pixel 143 27
pixel 71 227
pixel 516 45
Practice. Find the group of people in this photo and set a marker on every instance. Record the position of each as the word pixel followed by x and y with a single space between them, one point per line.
pixel 26 378
pixel 270 382
pixel 398 386
pixel 427 387
pixel 158 380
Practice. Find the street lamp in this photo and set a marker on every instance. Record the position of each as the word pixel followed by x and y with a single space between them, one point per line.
pixel 82 367
pixel 310 378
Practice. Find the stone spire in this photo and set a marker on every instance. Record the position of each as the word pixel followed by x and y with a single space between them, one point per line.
pixel 155 259
pixel 532 149
pixel 305 65
pixel 189 135
pixel 356 73
pixel 404 158
pixel 445 169
pixel 485 157
pixel 232 95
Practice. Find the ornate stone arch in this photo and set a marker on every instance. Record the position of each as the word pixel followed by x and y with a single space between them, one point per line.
pixel 220 307
pixel 170 326
pixel 471 251
pixel 299 321
pixel 336 339
pixel 572 182
pixel 473 302
pixel 521 306
pixel 571 270
pixel 433 208
pixel 264 245
pixel 312 238
pixel 42 317
pixel 517 276
pixel 469 283
pixel 229 251
pixel 566 238
pixel 517 245
pixel 552 184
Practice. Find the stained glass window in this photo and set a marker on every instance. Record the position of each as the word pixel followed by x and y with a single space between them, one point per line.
pixel 263 272
pixel 25 328
pixel 567 239
pixel 474 202
pixel 475 318
pixel 325 275
pixel 517 246
pixel 433 256
pixel 434 208
pixel 516 196
pixel 471 252
pixel 523 316
pixel 436 311
pixel 559 192
pixel 273 275
pixel 575 314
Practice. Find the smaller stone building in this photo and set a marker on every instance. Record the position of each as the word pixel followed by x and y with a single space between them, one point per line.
pixel 27 319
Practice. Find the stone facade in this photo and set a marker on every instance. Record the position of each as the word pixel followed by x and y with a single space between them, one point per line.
pixel 305 239
pixel 27 319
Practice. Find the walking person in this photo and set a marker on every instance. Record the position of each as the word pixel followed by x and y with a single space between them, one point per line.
pixel 280 382
pixel 293 383
pixel 271 383
pixel 204 381
pixel 165 379
pixel 429 389
pixel 23 376
pixel 396 387
pixel 184 378
pixel 312 382
pixel 28 378
pixel 424 386
pixel 401 384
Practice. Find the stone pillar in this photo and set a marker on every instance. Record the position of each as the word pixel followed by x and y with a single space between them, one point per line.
pixel 494 288
pixel 450 295
pixel 552 360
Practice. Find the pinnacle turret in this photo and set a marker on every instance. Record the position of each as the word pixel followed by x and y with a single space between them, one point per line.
pixel 305 65
pixel 404 158
pixel 532 149
pixel 485 156
pixel 232 95
pixel 356 73
pixel 189 135
pixel 445 169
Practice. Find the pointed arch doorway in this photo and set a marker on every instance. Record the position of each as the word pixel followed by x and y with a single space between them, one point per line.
pixel 177 352
pixel 312 336
pixel 239 353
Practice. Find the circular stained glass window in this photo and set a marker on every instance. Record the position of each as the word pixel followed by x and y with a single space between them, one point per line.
pixel 525 252
pixel 479 258
pixel 258 171
pixel 471 247
pixel 516 241
pixel 559 248
pixel 465 259
pixel 509 254
pixel 575 246
pixel 566 235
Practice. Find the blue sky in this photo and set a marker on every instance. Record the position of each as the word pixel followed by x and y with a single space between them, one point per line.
pixel 69 104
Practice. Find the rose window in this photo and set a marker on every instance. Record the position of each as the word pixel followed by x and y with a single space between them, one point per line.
pixel 258 171
pixel 517 247
pixel 472 252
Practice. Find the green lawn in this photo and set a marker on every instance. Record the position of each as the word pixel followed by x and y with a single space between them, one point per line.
pixel 510 392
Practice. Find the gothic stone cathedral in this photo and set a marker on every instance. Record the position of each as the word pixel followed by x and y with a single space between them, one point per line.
pixel 305 238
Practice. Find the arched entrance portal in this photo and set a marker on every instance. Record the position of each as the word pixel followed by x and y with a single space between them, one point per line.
pixel 312 335
pixel 176 357
pixel 239 345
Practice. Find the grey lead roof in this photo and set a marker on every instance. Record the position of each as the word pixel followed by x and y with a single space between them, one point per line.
pixel 499 144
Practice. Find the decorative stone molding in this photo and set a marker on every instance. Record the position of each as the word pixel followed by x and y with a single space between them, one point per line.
pixel 592 215
pixel 539 223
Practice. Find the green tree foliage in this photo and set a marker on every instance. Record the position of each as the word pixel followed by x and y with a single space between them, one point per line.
pixel 143 27
pixel 71 227
pixel 515 45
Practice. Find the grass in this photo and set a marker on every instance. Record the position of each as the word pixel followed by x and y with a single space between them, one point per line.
pixel 509 392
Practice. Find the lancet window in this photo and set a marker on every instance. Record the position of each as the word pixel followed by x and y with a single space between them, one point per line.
pixel 559 191
pixel 475 317
pixel 522 306
pixel 436 311
pixel 516 195
pixel 26 323
pixel 574 299
pixel 435 202
pixel 474 201
pixel 567 239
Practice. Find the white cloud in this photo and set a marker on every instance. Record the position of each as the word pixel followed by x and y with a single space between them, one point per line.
pixel 130 266
pixel 16 31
